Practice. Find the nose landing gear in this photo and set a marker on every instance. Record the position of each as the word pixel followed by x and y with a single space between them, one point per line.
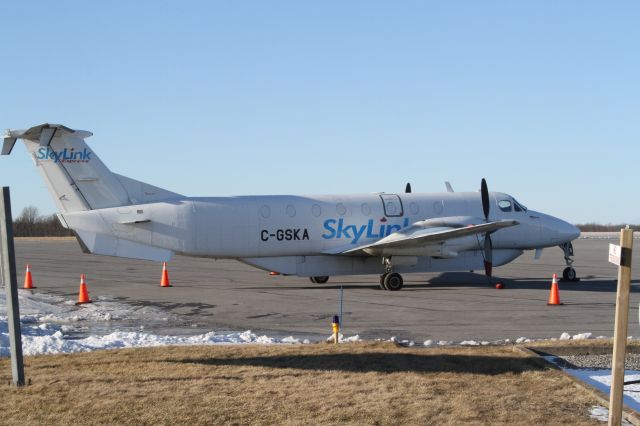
pixel 569 273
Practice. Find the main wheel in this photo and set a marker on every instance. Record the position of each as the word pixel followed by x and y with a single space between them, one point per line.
pixel 382 278
pixel 319 280
pixel 569 274
pixel 393 281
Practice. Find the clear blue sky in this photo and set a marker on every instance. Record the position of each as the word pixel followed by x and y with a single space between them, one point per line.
pixel 274 97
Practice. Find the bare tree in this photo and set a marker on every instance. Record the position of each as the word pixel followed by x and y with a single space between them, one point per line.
pixel 29 223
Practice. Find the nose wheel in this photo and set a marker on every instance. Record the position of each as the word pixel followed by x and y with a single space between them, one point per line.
pixel 569 273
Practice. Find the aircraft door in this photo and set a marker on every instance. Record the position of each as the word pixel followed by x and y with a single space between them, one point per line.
pixel 392 205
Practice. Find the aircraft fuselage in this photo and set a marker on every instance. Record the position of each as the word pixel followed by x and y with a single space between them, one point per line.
pixel 284 232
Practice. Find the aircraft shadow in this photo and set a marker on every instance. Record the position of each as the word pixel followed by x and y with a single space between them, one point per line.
pixel 456 280
pixel 384 363
pixel 461 279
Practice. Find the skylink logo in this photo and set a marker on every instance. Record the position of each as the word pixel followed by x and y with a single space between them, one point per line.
pixel 338 229
pixel 64 156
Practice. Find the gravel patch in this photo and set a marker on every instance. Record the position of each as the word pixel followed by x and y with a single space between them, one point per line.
pixel 596 362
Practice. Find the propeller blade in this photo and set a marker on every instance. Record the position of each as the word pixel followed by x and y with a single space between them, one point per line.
pixel 407 188
pixel 484 192
pixel 488 255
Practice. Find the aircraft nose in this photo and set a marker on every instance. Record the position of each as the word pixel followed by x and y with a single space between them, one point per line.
pixel 556 231
pixel 566 231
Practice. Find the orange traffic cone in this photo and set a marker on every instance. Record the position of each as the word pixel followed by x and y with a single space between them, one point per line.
pixel 554 295
pixel 164 281
pixel 28 280
pixel 83 294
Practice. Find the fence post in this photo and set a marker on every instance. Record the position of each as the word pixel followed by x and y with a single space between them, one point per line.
pixel 8 267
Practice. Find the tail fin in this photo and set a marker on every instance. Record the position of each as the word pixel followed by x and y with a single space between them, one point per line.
pixel 76 177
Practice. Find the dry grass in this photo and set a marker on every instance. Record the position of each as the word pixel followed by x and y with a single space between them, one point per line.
pixel 308 384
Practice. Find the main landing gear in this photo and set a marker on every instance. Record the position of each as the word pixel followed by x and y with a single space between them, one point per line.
pixel 568 274
pixel 319 280
pixel 390 280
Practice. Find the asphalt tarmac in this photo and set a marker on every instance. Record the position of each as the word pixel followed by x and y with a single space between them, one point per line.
pixel 228 295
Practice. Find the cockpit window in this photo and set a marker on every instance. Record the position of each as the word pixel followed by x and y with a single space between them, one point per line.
pixel 519 207
pixel 505 205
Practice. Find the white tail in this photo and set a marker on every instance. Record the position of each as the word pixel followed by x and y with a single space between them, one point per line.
pixel 76 177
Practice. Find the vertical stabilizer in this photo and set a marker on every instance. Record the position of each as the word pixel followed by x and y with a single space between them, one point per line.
pixel 76 177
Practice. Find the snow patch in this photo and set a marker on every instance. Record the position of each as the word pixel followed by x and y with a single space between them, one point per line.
pixel 343 339
pixel 599 413
pixel 50 324
pixel 47 308
pixel 51 339
pixel 581 336
pixel 602 414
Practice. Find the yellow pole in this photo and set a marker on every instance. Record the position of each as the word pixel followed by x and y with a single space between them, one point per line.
pixel 336 328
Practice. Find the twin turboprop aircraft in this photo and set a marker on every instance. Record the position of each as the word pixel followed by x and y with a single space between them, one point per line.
pixel 314 236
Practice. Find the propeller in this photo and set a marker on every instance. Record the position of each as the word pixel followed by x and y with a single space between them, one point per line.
pixel 488 245
pixel 484 192
pixel 407 189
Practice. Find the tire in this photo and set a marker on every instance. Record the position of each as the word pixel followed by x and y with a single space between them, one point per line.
pixel 565 273
pixel 313 280
pixel 382 285
pixel 393 281
pixel 571 274
pixel 320 280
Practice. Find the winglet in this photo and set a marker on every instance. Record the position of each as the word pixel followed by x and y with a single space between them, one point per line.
pixel 449 187
pixel 8 144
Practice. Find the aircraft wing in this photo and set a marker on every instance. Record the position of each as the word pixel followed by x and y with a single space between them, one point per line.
pixel 425 234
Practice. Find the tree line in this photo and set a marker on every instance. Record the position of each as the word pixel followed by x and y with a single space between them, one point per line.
pixel 30 223
pixel 597 227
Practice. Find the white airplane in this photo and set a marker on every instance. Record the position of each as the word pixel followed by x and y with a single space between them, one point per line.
pixel 314 236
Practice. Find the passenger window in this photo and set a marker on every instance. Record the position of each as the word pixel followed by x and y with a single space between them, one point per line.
pixel 505 205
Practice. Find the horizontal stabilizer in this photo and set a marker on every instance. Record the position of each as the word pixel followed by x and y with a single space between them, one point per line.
pixel 108 245
pixel 43 134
